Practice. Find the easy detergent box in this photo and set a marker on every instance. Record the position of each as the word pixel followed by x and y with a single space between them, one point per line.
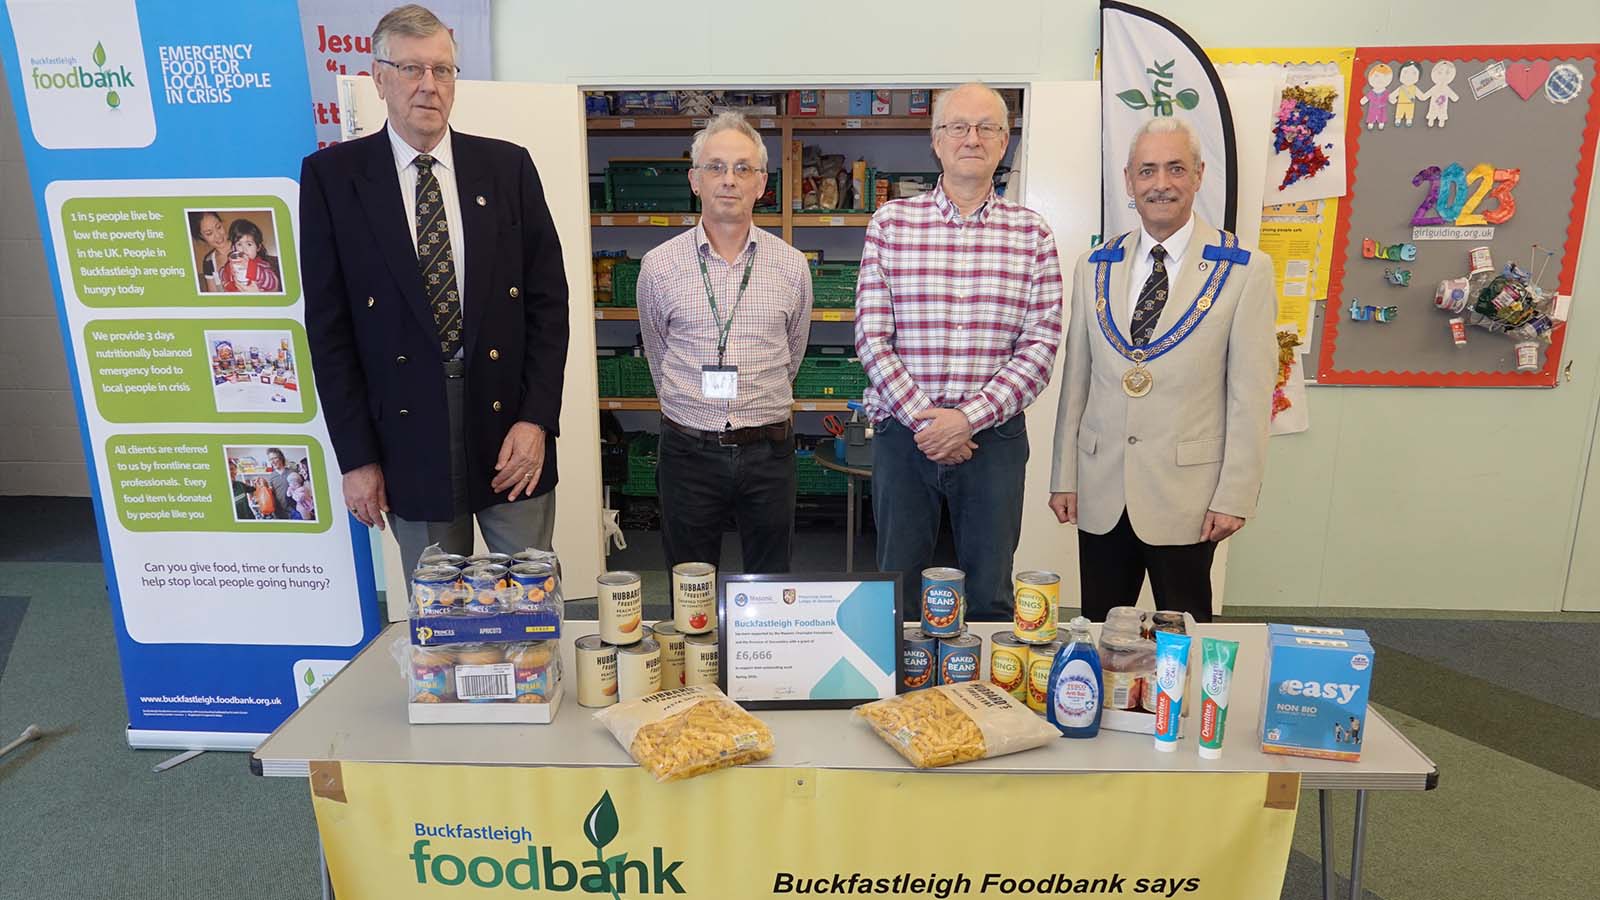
pixel 1315 696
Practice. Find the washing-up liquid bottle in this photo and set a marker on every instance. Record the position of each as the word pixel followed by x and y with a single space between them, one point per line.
pixel 1073 704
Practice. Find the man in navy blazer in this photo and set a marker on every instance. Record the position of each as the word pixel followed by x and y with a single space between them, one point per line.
pixel 436 307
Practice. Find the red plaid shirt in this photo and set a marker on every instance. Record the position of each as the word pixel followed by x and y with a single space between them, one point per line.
pixel 956 312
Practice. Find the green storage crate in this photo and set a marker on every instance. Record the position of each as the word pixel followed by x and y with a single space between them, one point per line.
pixel 649 185
pixel 833 285
pixel 775 190
pixel 812 480
pixel 831 376
pixel 633 377
pixel 642 462
pixel 598 196
pixel 625 283
pixel 608 367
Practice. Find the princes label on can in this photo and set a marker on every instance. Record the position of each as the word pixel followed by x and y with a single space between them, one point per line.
pixel 921 655
pixel 434 590
pixel 958 658
pixel 1008 664
pixel 1038 594
pixel 671 641
pixel 485 582
pixel 597 671
pixel 621 600
pixel 536 584
pixel 701 661
pixel 694 597
pixel 944 602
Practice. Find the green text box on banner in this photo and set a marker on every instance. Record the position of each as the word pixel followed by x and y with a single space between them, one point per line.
pixel 142 251
pixel 209 482
pixel 199 370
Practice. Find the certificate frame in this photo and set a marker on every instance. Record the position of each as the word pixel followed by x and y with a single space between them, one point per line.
pixel 890 621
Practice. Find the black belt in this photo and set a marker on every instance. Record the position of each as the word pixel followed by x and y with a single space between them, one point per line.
pixel 737 437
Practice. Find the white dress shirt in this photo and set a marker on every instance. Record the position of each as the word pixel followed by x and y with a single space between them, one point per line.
pixel 1176 246
pixel 444 169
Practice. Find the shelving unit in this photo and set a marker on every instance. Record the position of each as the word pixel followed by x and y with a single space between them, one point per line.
pixel 628 314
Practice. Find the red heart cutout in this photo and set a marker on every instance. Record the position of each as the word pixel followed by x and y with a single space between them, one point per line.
pixel 1525 78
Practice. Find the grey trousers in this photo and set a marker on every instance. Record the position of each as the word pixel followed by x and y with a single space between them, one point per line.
pixel 507 527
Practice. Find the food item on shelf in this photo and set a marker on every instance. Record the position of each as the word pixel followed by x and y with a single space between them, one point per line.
pixel 1038 595
pixel 687 731
pixel 944 602
pixel 671 641
pixel 921 654
pixel 432 675
pixel 701 660
pixel 620 596
pixel 638 669
pixel 959 657
pixel 1040 658
pixel 536 668
pixel 1008 664
pixel 694 597
pixel 597 671
pixel 955 723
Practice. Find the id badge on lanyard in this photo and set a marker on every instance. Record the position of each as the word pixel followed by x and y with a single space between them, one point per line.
pixel 721 381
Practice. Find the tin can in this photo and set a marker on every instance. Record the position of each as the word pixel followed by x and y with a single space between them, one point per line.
pixel 638 669
pixel 483 675
pixel 701 659
pixel 1035 607
pixel 944 602
pixel 921 655
pixel 1167 620
pixel 537 670
pixel 489 559
pixel 535 582
pixel 1008 664
pixel 694 597
pixel 671 641
pixel 1528 356
pixel 1458 331
pixel 621 599
pixel 1479 261
pixel 433 590
pixel 441 558
pixel 959 657
pixel 1040 658
pixel 432 675
pixel 483 584
pixel 597 671
pixel 540 556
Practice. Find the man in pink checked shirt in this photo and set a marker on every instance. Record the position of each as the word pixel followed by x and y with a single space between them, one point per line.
pixel 958 317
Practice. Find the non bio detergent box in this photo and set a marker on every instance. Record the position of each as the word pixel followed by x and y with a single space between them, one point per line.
pixel 1316 691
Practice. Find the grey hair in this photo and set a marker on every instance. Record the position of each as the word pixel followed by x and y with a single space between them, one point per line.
pixel 944 100
pixel 1168 125
pixel 727 121
pixel 411 21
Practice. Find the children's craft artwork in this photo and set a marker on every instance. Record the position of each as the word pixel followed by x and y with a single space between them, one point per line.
pixel 1381 314
pixel 1307 130
pixel 1440 94
pixel 1397 277
pixel 1527 77
pixel 1376 97
pixel 1564 84
pixel 1405 96
pixel 1491 79
pixel 1303 115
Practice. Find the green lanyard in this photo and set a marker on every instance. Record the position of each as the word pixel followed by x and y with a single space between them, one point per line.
pixel 711 297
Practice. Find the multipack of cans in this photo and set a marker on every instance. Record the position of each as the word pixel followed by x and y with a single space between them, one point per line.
pixel 939 650
pixel 629 659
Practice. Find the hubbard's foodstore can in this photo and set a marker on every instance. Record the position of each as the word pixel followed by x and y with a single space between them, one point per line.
pixel 959 657
pixel 701 662
pixel 944 602
pixel 921 655
pixel 1040 658
pixel 694 597
pixel 597 671
pixel 1008 664
pixel 1038 594
pixel 638 669
pixel 621 599
pixel 671 641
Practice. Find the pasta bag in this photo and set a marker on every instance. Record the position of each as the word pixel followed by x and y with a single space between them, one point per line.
pixel 956 723
pixel 688 731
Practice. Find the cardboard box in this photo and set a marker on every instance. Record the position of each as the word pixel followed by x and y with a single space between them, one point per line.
pixel 1314 700
pixel 836 104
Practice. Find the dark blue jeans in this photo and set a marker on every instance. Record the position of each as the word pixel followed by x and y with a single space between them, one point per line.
pixel 985 498
pixel 700 483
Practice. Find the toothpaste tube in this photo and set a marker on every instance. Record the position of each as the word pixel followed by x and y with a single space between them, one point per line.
pixel 1172 670
pixel 1216 678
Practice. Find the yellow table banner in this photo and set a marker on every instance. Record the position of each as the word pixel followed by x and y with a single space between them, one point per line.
pixel 395 831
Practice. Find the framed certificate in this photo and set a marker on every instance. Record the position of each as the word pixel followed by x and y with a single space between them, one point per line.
pixel 809 641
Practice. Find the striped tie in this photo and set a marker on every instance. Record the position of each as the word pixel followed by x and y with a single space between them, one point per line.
pixel 434 261
pixel 1152 298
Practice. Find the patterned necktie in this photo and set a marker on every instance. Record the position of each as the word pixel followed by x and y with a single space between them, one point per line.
pixel 1152 298
pixel 434 261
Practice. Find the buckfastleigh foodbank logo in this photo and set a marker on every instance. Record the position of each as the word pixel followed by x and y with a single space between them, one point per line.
pixel 76 78
pixel 540 869
pixel 84 89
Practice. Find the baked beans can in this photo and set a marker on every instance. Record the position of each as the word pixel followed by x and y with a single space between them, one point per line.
pixel 597 671
pixel 434 590
pixel 701 659
pixel 535 583
pixel 671 641
pixel 959 657
pixel 694 597
pixel 1008 664
pixel 490 559
pixel 483 584
pixel 638 669
pixel 921 655
pixel 1035 607
pixel 1040 658
pixel 944 602
pixel 621 599
pixel 536 668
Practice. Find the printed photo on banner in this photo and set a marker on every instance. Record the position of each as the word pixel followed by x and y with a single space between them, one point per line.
pixel 271 484
pixel 235 251
pixel 253 371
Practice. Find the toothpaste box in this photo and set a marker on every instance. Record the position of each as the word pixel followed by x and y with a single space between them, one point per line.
pixel 1315 696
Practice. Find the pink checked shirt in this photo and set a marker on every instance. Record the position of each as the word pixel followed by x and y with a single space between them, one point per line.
pixel 766 342
pixel 954 312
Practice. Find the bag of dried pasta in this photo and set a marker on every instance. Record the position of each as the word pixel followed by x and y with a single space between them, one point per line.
pixel 956 723
pixel 688 731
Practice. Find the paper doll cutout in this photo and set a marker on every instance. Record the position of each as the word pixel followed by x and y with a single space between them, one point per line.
pixel 1440 95
pixel 1374 97
pixel 1405 96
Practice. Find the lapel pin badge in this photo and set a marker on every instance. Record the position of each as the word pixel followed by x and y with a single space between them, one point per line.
pixel 481 201
pixel 1204 266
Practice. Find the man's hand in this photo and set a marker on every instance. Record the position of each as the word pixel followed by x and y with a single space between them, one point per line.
pixel 364 494
pixel 1065 506
pixel 521 461
pixel 948 438
pixel 1219 526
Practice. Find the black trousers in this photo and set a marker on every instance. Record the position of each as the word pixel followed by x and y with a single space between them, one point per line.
pixel 700 483
pixel 1112 567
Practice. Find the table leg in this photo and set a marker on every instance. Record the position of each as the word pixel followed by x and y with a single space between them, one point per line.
pixel 327 880
pixel 849 524
pixel 1359 846
pixel 1327 844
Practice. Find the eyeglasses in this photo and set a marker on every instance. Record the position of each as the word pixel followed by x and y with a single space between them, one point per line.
pixel 719 168
pixel 986 130
pixel 444 74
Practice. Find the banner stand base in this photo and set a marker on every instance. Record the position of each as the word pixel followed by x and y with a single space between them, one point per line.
pixel 147 739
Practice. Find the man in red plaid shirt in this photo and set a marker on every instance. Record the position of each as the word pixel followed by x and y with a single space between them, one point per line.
pixel 958 317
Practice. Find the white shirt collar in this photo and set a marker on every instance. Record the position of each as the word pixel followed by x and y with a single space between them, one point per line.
pixel 405 154
pixel 1176 245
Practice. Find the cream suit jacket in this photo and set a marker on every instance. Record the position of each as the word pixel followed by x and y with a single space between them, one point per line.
pixel 1198 440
